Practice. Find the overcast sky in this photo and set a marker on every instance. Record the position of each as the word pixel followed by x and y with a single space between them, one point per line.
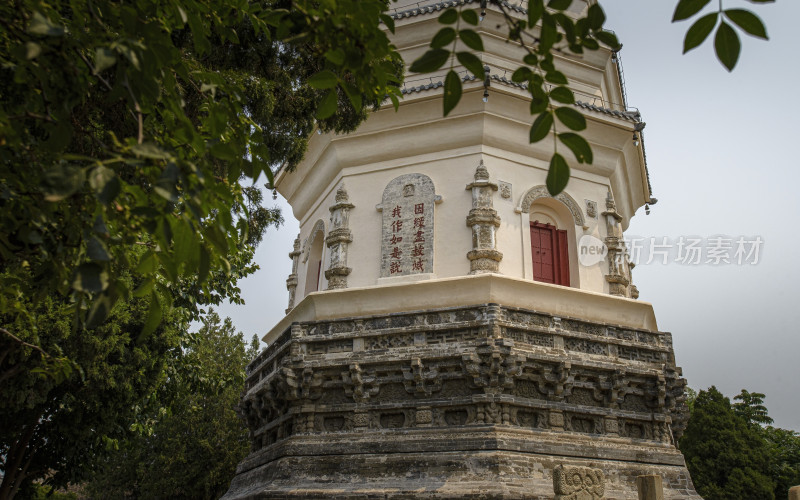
pixel 722 152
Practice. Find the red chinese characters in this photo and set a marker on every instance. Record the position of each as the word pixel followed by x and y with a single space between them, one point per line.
pixel 397 226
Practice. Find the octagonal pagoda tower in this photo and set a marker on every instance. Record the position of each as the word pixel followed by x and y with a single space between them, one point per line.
pixel 445 337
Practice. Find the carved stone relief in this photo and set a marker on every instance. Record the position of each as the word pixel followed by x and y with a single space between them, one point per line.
pixel 538 192
pixel 578 483
pixel 591 209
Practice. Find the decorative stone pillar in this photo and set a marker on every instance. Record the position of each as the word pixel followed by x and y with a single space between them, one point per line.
pixel 619 275
pixel 484 221
pixel 291 281
pixel 650 487
pixel 338 240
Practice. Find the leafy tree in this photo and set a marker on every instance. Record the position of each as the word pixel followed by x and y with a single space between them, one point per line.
pixel 197 439
pixel 128 136
pixel 52 426
pixel 784 449
pixel 133 124
pixel 726 458
pixel 691 396
pixel 750 407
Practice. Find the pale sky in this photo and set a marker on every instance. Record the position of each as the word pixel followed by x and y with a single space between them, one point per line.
pixel 722 153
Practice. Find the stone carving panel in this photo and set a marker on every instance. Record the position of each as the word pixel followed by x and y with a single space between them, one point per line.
pixel 407 230
pixel 578 483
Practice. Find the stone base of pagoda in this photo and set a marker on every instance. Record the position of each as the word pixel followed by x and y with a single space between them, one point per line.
pixel 477 462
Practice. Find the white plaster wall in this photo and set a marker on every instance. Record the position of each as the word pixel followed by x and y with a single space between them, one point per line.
pixel 419 139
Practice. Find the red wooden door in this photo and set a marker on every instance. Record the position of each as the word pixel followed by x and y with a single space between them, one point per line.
pixel 550 255
pixel 542 252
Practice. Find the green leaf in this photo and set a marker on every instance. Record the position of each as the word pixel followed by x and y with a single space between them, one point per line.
pixel 557 175
pixel 699 31
pixel 96 250
pixel 535 11
pixel 471 39
pixel 556 77
pixel 445 36
pixel 388 21
pixel 522 74
pixel 596 17
pixel 541 127
pixel 540 100
pixel 154 316
pixel 204 265
pixel 166 185
pixel 578 145
pixel 549 32
pixel 562 95
pixel 571 118
pixel 327 107
pixel 147 263
pixel 62 181
pixel 145 288
pixel 430 61
pixel 336 56
pixel 101 307
pixel 749 22
pixel 469 16
pixel 472 63
pixel 325 79
pixel 90 277
pixel 450 16
pixel 608 38
pixel 105 183
pixel 353 95
pixel 104 58
pixel 687 8
pixel 43 26
pixel 727 45
pixel 150 150
pixel 559 4
pixel 452 91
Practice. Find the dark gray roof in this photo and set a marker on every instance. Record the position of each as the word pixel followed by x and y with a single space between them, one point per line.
pixel 633 116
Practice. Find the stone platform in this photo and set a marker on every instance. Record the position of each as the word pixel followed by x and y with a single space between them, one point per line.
pixel 480 401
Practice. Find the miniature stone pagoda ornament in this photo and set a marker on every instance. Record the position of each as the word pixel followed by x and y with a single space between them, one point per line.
pixel 483 220
pixel 291 281
pixel 418 370
pixel 338 240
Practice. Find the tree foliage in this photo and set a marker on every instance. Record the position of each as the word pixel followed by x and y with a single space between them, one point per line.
pixel 135 124
pixel 727 458
pixel 547 29
pixel 784 449
pixel 749 406
pixel 131 135
pixel 196 440
pixel 52 426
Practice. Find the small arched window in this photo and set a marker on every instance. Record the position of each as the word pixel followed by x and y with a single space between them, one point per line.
pixel 314 260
